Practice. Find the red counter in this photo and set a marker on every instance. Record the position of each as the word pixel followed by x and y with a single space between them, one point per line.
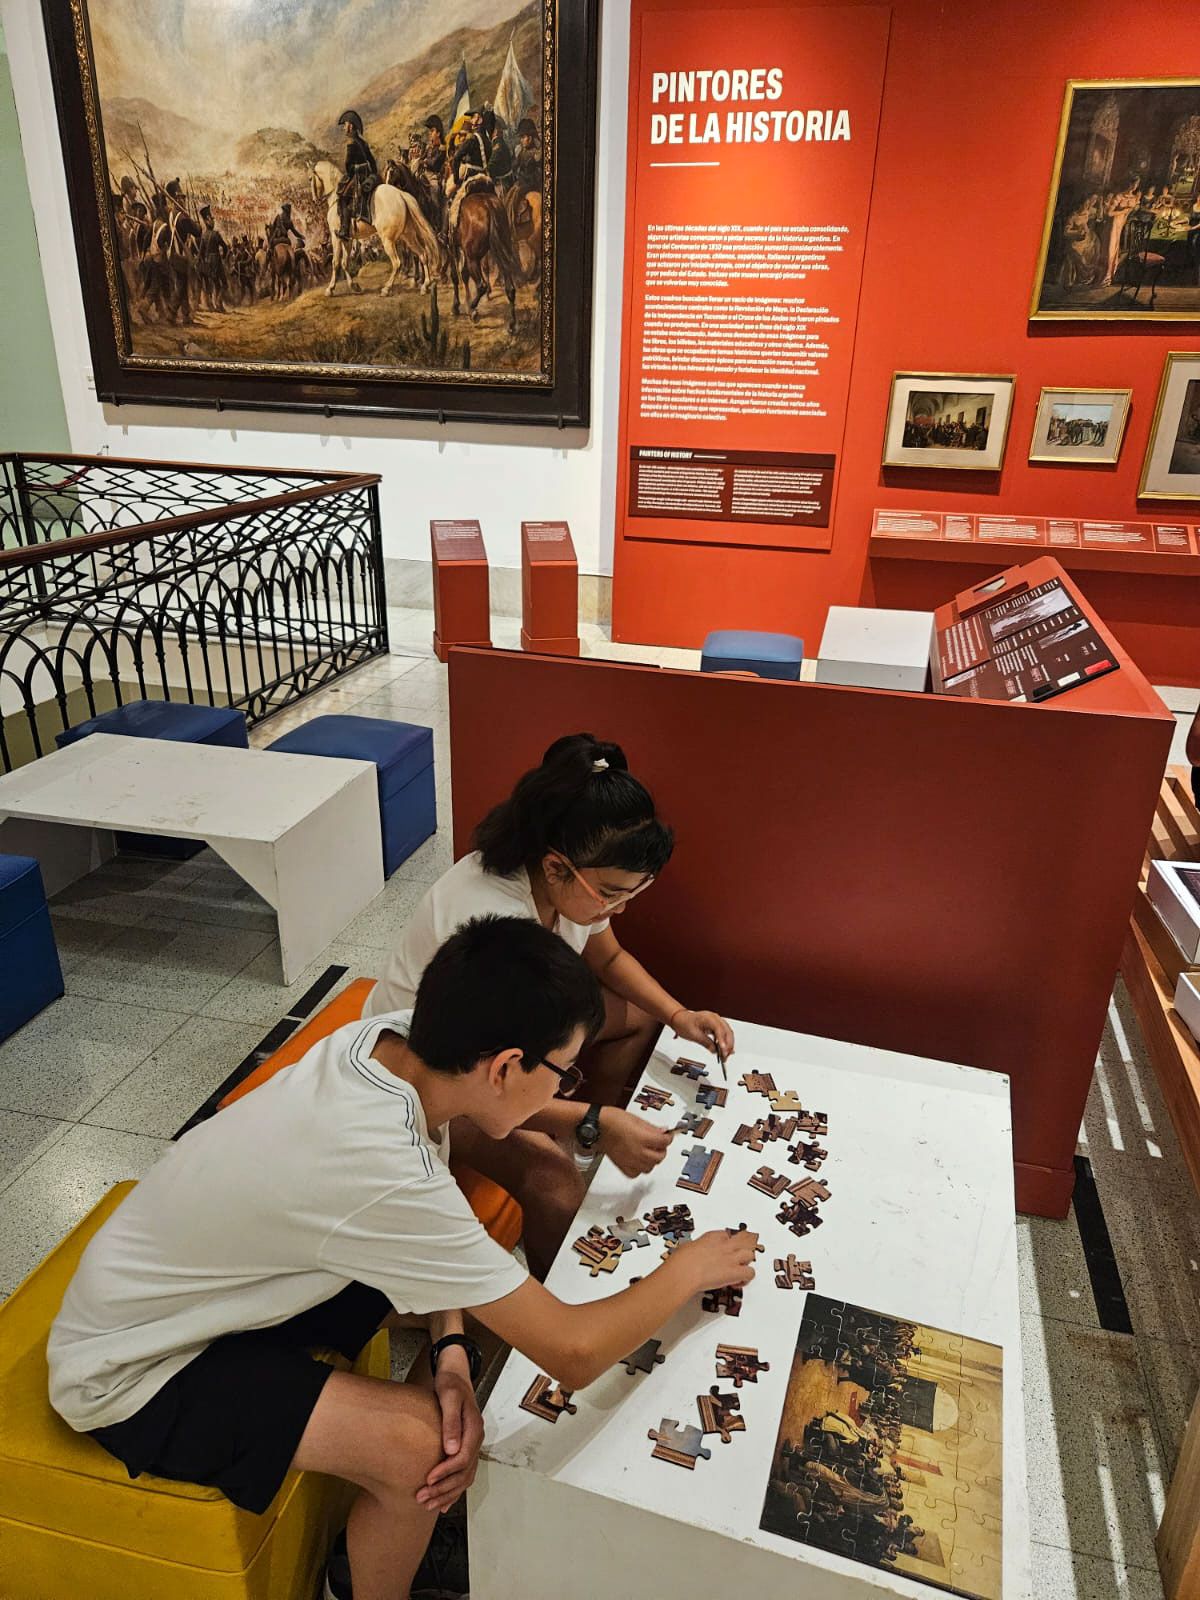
pixel 947 877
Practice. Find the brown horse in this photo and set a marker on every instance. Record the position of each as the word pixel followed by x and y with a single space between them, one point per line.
pixel 525 220
pixel 483 230
pixel 282 267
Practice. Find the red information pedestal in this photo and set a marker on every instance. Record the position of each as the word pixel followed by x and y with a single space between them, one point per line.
pixel 461 598
pixel 549 590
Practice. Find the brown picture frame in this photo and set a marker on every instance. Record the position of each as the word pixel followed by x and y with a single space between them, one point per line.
pixel 556 395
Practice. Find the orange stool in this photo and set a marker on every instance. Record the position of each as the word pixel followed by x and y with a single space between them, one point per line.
pixel 494 1206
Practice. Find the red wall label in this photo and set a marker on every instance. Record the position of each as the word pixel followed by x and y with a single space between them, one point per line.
pixel 1157 538
pixel 752 148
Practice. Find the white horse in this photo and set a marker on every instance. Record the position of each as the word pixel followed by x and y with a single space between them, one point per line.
pixel 395 217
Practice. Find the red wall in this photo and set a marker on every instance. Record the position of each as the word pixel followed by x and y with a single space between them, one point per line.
pixel 971 107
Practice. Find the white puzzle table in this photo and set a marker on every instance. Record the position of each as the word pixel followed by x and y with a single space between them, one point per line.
pixel 919 1225
pixel 301 830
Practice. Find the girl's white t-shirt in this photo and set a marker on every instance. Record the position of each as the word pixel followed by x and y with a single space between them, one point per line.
pixel 464 892
pixel 326 1174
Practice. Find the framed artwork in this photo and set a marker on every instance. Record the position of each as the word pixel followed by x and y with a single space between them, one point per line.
pixel 954 420
pixel 334 205
pixel 1171 470
pixel 1074 426
pixel 1122 233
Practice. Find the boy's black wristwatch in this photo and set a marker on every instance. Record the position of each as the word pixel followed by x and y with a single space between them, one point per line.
pixel 587 1134
pixel 474 1354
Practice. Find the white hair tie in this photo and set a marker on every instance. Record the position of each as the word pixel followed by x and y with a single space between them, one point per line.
pixel 600 765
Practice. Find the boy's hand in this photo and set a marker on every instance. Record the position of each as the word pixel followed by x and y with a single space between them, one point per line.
pixel 716 1260
pixel 634 1145
pixel 705 1028
pixel 462 1434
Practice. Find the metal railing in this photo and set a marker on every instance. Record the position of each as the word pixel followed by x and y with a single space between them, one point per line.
pixel 127 579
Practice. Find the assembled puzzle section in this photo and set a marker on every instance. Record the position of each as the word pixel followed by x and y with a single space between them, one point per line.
pixel 889 1449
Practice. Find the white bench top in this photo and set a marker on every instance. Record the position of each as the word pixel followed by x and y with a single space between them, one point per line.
pixel 190 790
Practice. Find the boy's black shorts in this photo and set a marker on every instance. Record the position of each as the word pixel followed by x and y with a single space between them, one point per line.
pixel 232 1418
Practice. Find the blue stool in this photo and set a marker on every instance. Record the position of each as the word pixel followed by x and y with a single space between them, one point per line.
pixel 403 757
pixel 30 976
pixel 766 655
pixel 165 719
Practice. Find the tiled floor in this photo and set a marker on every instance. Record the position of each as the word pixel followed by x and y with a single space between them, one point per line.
pixel 171 983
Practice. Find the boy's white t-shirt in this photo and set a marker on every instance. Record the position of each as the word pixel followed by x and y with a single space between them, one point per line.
pixel 464 892
pixel 326 1174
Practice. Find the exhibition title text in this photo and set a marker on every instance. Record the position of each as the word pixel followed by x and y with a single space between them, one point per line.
pixel 741 86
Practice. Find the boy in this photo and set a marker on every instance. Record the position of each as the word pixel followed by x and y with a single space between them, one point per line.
pixel 307 1212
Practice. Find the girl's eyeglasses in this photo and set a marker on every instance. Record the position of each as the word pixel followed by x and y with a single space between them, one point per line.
pixel 607 901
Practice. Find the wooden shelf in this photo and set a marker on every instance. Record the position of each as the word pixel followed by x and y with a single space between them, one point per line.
pixel 1150 965
pixel 997 553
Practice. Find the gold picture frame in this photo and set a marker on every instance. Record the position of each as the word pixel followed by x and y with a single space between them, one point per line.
pixel 1165 476
pixel 1090 208
pixel 1087 452
pixel 944 401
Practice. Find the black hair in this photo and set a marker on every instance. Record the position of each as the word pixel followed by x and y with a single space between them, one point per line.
pixel 583 802
pixel 500 982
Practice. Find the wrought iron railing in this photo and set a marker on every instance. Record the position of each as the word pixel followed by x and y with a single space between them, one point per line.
pixel 124 579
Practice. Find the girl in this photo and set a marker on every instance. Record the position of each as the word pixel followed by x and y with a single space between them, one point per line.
pixel 572 845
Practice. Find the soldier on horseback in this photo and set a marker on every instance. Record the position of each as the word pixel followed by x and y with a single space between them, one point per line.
pixel 280 230
pixel 434 158
pixel 362 175
pixel 527 161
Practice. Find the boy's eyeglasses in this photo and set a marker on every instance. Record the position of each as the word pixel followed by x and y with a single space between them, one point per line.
pixel 570 1078
pixel 607 901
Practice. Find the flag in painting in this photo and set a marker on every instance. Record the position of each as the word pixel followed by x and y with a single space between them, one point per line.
pixel 513 94
pixel 462 95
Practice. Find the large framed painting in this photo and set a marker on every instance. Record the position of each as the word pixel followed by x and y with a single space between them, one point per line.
pixel 1171 470
pixel 1122 232
pixel 379 206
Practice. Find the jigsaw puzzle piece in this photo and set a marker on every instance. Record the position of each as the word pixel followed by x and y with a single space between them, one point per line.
pixel 629 1234
pixel 681 1446
pixel 718 1414
pixel 645 1358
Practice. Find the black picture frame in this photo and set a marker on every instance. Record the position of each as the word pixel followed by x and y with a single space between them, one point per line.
pixel 556 396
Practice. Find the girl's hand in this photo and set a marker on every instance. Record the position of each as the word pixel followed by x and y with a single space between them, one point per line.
pixel 704 1027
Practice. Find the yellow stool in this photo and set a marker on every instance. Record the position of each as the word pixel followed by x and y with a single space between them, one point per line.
pixel 75 1526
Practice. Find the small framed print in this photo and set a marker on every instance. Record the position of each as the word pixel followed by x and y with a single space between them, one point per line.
pixel 1075 426
pixel 952 420
pixel 1171 470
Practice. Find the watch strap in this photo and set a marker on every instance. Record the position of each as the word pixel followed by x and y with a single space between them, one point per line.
pixel 474 1354
pixel 587 1130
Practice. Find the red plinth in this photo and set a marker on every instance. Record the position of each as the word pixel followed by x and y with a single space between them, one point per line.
pixel 549 590
pixel 461 599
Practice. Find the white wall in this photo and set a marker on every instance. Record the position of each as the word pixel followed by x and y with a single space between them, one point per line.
pixel 498 474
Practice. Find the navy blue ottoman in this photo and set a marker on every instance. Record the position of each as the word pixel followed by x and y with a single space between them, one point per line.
pixel 30 976
pixel 766 655
pixel 403 757
pixel 165 719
